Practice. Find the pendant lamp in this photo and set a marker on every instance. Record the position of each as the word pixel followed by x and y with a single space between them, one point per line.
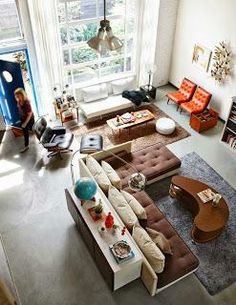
pixel 105 40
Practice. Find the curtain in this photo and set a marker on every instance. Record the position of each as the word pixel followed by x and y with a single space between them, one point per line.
pixel 43 17
pixel 148 30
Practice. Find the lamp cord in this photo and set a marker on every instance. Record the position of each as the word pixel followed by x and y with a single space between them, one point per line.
pixel 104 10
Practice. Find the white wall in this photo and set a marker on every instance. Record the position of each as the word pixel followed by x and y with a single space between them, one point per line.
pixel 206 22
pixel 164 41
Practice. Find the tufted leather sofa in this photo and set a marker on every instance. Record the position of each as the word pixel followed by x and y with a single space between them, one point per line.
pixel 184 94
pixel 198 103
pixel 157 162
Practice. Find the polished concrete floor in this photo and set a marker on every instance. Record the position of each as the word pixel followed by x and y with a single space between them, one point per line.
pixel 48 260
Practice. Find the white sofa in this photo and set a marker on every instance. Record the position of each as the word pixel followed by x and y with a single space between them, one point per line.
pixel 106 98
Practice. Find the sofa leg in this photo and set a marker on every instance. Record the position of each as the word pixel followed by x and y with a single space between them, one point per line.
pixel 177 107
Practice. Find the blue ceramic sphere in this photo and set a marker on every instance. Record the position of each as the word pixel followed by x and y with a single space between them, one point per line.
pixel 85 188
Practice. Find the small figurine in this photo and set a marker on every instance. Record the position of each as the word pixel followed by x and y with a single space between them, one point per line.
pixel 109 221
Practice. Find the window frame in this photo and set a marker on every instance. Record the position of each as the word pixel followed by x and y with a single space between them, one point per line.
pixel 16 40
pixel 69 46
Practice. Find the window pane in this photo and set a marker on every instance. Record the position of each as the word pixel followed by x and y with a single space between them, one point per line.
pixel 9 21
pixel 66 57
pixel 85 73
pixel 63 33
pixel 82 9
pixel 83 54
pixel 112 67
pixel 118 27
pixel 61 12
pixel 113 7
pixel 68 76
pixel 82 32
pixel 130 45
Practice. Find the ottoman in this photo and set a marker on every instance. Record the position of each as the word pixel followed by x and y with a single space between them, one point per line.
pixel 91 143
pixel 165 126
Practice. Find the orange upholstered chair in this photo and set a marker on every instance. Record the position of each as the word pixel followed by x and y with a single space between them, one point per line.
pixel 184 94
pixel 198 103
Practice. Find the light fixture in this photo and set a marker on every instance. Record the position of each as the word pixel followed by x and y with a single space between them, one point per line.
pixel 136 182
pixel 105 40
pixel 150 69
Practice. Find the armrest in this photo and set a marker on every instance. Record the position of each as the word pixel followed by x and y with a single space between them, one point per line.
pixel 58 130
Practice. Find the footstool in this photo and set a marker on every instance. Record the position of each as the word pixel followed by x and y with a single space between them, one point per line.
pixel 165 126
pixel 91 143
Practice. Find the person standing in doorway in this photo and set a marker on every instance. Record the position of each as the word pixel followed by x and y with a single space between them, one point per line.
pixel 26 115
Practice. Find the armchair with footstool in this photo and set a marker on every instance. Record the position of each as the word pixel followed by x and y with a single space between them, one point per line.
pixel 57 140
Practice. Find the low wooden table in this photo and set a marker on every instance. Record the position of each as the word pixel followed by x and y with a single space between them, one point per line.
pixel 112 123
pixel 208 221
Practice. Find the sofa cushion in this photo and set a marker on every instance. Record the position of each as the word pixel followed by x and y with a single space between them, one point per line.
pixel 159 239
pixel 105 106
pixel 122 208
pixel 120 85
pixel 183 260
pixel 153 161
pixel 152 253
pixel 94 93
pixel 135 205
pixel 111 174
pixel 98 173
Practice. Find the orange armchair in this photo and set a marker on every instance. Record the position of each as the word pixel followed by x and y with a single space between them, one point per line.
pixel 184 94
pixel 198 103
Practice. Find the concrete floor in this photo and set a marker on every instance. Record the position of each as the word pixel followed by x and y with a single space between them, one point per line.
pixel 48 260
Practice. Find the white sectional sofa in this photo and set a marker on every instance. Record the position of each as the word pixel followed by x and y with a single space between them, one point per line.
pixel 106 98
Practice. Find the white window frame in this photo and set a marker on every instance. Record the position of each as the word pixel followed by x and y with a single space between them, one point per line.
pixel 99 60
pixel 12 42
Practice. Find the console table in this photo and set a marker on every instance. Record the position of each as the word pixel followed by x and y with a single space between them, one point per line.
pixel 116 275
pixel 208 221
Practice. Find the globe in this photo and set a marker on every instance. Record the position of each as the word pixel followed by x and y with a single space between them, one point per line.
pixel 85 188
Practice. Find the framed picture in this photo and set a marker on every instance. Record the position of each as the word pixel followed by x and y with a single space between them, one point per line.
pixel 201 57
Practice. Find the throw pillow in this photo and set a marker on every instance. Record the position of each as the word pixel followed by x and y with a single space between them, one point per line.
pixel 98 173
pixel 118 86
pixel 112 175
pixel 122 208
pixel 135 205
pixel 149 249
pixel 160 240
pixel 94 93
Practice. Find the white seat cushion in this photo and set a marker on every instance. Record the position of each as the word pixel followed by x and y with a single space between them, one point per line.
pixel 104 106
pixel 165 126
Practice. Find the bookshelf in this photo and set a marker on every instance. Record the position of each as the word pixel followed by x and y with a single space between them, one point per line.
pixel 229 132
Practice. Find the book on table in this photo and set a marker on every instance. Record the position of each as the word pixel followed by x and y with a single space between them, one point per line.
pixel 206 195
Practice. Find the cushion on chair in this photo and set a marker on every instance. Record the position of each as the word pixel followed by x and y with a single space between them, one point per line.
pixel 199 101
pixel 120 85
pixel 91 143
pixel 63 141
pixel 111 174
pixel 165 126
pixel 184 93
pixel 94 93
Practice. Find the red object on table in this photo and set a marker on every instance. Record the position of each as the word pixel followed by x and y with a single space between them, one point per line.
pixel 109 221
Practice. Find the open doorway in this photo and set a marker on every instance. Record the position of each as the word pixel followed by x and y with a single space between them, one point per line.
pixel 19 63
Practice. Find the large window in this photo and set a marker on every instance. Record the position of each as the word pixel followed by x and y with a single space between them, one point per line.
pixel 79 21
pixel 9 21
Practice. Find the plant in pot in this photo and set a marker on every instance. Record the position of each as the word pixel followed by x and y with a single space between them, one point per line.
pixel 98 209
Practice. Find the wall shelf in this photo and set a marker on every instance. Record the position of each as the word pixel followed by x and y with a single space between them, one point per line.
pixel 229 132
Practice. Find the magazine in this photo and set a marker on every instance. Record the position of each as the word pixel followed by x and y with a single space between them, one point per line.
pixel 206 195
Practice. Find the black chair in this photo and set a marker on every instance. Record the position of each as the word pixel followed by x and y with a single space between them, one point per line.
pixel 56 140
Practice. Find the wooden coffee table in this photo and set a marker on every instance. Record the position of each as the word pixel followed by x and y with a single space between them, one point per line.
pixel 112 123
pixel 208 221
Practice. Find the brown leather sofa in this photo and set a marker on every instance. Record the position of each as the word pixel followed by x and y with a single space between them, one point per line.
pixel 157 162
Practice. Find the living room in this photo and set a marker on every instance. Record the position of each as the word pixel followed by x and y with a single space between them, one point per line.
pixel 118 182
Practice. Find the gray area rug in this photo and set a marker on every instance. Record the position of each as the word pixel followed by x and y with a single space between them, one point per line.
pixel 217 258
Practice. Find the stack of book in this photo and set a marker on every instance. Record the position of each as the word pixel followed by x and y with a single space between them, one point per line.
pixel 206 195
pixel 121 251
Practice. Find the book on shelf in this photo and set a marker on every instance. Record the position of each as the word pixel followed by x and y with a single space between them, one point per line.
pixel 206 195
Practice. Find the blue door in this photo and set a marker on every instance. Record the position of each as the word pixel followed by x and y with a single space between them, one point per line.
pixel 10 80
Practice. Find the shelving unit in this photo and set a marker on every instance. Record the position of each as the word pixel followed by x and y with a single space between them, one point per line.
pixel 229 132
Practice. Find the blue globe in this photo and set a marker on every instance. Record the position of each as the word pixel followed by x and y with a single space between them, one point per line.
pixel 85 188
